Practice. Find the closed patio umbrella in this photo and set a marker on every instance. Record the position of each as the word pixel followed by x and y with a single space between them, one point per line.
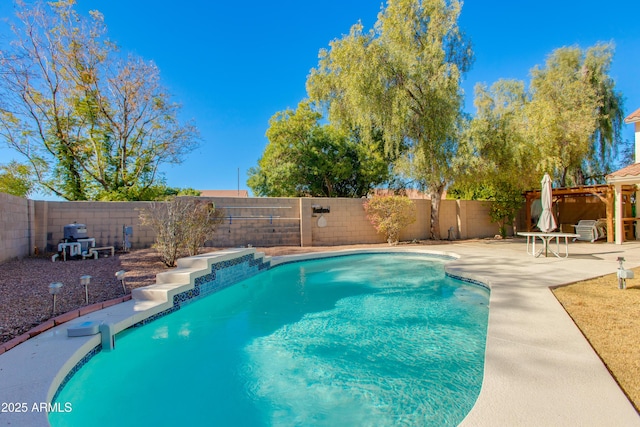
pixel 547 222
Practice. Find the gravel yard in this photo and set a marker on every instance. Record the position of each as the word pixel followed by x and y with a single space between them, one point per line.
pixel 24 294
pixel 25 301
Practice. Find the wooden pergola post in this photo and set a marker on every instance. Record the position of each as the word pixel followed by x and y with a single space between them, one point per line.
pixel 619 214
pixel 610 212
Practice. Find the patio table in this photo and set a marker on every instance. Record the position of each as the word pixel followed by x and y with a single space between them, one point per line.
pixel 546 241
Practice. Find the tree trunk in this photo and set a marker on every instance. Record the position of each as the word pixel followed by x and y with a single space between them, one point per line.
pixel 563 179
pixel 435 192
pixel 579 178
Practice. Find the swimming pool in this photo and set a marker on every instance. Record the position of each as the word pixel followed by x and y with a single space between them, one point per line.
pixel 357 340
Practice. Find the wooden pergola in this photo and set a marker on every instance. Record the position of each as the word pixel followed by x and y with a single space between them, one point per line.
pixel 604 192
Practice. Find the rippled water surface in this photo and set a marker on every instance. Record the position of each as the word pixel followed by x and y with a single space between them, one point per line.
pixel 356 340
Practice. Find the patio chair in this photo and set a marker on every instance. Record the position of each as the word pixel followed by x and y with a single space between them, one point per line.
pixel 589 229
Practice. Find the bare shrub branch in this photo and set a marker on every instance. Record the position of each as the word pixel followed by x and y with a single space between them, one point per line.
pixel 182 225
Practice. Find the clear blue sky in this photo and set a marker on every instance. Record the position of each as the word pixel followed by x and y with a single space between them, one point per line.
pixel 232 65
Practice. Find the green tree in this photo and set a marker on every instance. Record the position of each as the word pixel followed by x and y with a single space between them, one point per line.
pixel 606 142
pixel 16 179
pixel 305 158
pixel 496 161
pixel 568 123
pixel 575 114
pixel 495 136
pixel 402 78
pixel 92 123
pixel 158 191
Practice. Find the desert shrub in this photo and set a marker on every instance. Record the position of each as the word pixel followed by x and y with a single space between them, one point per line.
pixel 182 225
pixel 504 210
pixel 390 214
pixel 201 226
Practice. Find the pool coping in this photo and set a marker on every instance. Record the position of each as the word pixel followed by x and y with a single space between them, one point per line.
pixel 539 369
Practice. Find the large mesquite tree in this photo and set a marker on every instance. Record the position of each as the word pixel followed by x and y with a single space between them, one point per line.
pixel 402 79
pixel 91 123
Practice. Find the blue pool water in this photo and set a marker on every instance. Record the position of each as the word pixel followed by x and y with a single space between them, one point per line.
pixel 356 340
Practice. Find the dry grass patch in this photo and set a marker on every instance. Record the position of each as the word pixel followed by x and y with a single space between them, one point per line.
pixel 610 319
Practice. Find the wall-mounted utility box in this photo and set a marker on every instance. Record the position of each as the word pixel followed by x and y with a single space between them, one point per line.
pixel 317 209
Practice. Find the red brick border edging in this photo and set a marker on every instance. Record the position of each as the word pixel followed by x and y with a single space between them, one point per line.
pixel 63 318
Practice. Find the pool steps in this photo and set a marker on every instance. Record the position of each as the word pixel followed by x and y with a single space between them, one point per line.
pixel 149 303
pixel 183 277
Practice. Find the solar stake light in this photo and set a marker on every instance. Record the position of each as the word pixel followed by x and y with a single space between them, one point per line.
pixel 54 289
pixel 84 281
pixel 120 276
pixel 623 274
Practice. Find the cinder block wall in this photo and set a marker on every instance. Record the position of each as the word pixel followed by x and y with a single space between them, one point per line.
pixel 29 224
pixel 257 222
pixel 347 222
pixel 477 220
pixel 15 216
pixel 104 221
pixel 254 221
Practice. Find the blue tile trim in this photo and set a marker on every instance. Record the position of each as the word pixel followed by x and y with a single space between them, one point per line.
pixel 426 255
pixel 222 275
pixel 150 319
pixel 470 281
pixel 75 369
pixel 206 278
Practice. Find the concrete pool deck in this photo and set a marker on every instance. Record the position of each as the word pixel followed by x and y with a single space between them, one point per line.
pixel 539 369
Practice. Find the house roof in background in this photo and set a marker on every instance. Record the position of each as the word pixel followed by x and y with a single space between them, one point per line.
pixel 631 172
pixel 411 193
pixel 633 117
pixel 224 193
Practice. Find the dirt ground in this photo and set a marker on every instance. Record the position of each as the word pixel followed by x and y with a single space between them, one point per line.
pixel 607 316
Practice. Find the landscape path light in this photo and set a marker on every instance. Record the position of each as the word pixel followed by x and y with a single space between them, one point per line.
pixel 84 281
pixel 54 289
pixel 623 274
pixel 120 276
